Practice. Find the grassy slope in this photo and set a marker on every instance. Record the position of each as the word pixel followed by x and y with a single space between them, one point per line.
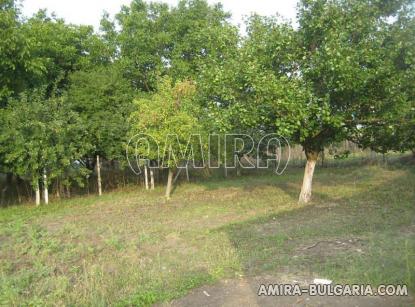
pixel 131 247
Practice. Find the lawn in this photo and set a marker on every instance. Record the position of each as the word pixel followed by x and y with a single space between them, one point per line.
pixel 131 247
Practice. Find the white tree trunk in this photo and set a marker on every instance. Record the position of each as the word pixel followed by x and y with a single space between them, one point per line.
pixel 152 178
pixel 146 176
pixel 99 176
pixel 305 195
pixel 226 171
pixel 37 193
pixel 169 183
pixel 45 187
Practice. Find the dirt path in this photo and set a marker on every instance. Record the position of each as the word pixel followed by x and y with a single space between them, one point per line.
pixel 243 292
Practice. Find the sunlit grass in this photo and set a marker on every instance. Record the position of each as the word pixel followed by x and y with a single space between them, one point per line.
pixel 133 247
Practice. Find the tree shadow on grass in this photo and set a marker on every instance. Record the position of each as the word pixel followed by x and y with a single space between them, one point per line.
pixel 349 240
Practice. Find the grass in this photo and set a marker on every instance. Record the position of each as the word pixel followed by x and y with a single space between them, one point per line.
pixel 131 247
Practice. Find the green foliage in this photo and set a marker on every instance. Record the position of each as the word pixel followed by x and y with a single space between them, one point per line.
pixel 346 72
pixel 170 112
pixel 40 133
pixel 143 42
pixel 42 51
pixel 181 42
pixel 17 65
pixel 394 122
pixel 336 71
pixel 61 49
pixel 103 100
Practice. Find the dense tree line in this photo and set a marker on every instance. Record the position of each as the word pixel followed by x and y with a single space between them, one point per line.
pixel 71 97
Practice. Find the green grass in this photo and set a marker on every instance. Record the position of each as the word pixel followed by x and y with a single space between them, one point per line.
pixel 131 247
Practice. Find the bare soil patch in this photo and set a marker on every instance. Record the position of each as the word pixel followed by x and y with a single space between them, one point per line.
pixel 244 292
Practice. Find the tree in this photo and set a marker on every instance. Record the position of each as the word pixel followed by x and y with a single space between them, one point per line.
pixel 143 42
pixel 38 54
pixel 201 36
pixel 181 41
pixel 103 100
pixel 17 64
pixel 168 118
pixel 184 42
pixel 324 79
pixel 392 126
pixel 41 139
pixel 61 49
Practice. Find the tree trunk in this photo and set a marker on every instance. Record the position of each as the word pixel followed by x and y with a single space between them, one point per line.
pixel 238 166
pixel 187 172
pixel 169 183
pixel 19 182
pixel 37 193
pixel 58 188
pixel 152 178
pixel 99 176
pixel 225 170
pixel 87 184
pixel 305 195
pixel 146 176
pixel 8 185
pixel 238 170
pixel 45 188
pixel 206 170
pixel 413 153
